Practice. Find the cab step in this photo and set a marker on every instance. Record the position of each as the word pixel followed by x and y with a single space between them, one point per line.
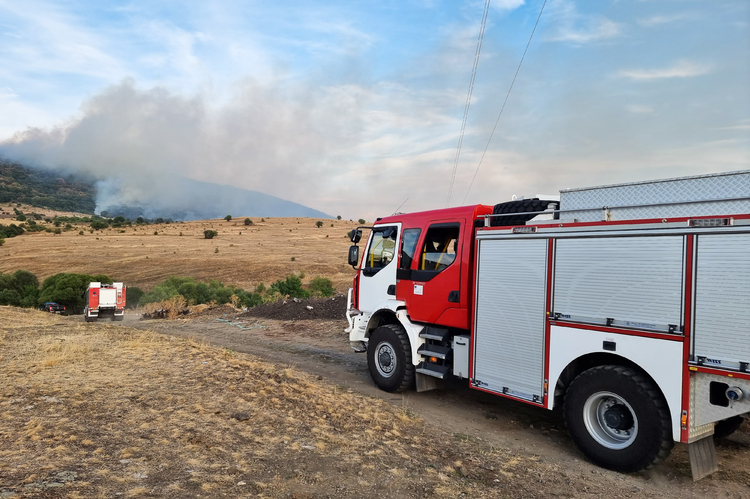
pixel 435 333
pixel 433 370
pixel 438 351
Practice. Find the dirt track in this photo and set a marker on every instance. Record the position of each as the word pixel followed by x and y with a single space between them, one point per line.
pixel 320 347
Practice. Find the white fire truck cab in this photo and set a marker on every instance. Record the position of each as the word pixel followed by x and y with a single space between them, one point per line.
pixel 104 300
pixel 626 305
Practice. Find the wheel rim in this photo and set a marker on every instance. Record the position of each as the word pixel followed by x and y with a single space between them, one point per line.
pixel 610 420
pixel 385 359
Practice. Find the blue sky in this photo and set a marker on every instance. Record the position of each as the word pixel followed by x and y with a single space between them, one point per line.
pixel 353 107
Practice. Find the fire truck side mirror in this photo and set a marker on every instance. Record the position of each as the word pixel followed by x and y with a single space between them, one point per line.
pixel 356 235
pixel 353 255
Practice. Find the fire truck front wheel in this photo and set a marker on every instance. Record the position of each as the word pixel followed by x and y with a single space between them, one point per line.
pixel 389 358
pixel 618 418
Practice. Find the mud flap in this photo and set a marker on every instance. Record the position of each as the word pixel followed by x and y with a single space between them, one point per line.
pixel 703 460
pixel 426 383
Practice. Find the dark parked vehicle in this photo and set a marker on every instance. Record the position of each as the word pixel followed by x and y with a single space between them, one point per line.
pixel 53 307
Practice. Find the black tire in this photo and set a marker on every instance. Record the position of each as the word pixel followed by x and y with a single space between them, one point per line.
pixel 520 206
pixel 728 426
pixel 389 359
pixel 618 418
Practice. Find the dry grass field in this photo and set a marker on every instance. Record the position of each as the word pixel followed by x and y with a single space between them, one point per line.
pixel 247 255
pixel 98 410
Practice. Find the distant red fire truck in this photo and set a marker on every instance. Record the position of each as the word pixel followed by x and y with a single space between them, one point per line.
pixel 626 305
pixel 105 300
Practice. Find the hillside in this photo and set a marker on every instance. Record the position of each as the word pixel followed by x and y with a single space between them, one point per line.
pixel 179 199
pixel 44 189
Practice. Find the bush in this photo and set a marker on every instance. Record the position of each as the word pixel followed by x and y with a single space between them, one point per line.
pixel 2 241
pixel 321 286
pixel 96 224
pixel 260 288
pixel 338 217
pixel 133 295
pixel 210 234
pixel 319 224
pixel 248 221
pixel 291 286
pixel 11 230
pixel 21 218
pixel 195 293
pixel 20 289
pixel 228 218
pixel 362 221
pixel 69 289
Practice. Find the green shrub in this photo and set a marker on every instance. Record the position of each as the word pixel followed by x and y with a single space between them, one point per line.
pixel 248 221
pixel 2 241
pixel 133 295
pixel 20 289
pixel 338 217
pixel 319 224
pixel 196 293
pixel 291 286
pixel 228 218
pixel 21 218
pixel 362 221
pixel 96 224
pixel 321 286
pixel 11 230
pixel 210 234
pixel 260 288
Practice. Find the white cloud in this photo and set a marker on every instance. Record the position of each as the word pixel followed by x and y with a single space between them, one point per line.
pixel 648 22
pixel 568 25
pixel 507 4
pixel 640 109
pixel 680 69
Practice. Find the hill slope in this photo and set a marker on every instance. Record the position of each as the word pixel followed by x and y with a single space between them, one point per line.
pixel 41 188
pixel 179 198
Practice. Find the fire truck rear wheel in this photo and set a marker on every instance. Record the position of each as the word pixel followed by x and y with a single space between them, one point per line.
pixel 618 418
pixel 389 358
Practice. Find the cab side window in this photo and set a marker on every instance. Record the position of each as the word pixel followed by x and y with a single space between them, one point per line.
pixel 382 249
pixel 440 247
pixel 409 240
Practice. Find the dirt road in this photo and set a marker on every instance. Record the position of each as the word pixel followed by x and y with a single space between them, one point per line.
pixel 320 347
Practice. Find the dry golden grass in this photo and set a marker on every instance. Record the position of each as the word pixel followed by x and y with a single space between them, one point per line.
pixel 248 255
pixel 138 413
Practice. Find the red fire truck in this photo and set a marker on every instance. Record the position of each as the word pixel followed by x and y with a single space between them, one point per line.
pixel 105 300
pixel 626 305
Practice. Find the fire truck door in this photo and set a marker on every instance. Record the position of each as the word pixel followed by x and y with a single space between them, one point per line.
pixel 378 278
pixel 432 284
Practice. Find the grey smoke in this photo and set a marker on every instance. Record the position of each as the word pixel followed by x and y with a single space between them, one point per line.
pixel 143 145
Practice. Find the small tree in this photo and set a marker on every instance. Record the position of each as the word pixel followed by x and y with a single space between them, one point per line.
pixel 338 217
pixel 248 221
pixel 362 221
pixel 319 224
pixel 209 234
pixel 228 218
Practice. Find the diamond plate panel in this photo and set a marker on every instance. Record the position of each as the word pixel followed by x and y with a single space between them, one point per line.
pixel 682 190
pixel 702 413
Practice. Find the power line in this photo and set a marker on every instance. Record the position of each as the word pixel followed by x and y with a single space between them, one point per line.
pixel 468 97
pixel 505 102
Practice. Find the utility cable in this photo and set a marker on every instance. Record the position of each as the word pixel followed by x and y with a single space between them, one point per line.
pixel 505 102
pixel 468 97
